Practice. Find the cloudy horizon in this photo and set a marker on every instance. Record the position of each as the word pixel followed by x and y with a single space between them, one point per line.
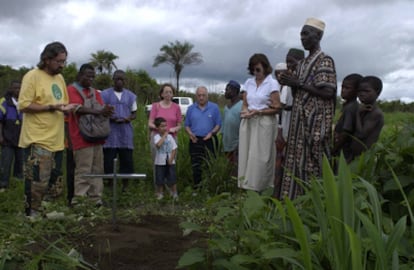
pixel 367 37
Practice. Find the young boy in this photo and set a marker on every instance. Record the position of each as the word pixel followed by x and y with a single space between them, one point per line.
pixel 345 127
pixel 369 118
pixel 165 172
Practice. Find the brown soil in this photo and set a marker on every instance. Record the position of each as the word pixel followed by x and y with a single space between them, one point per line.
pixel 155 243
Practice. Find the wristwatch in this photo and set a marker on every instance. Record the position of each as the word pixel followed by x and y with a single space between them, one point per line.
pixel 301 85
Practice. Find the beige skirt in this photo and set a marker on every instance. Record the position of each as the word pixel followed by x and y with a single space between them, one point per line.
pixel 257 152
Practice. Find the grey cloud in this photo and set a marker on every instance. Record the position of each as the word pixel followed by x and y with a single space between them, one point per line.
pixel 360 35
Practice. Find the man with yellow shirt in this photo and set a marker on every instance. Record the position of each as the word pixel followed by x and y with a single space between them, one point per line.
pixel 43 100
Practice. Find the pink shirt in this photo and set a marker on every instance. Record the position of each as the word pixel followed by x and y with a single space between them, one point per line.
pixel 172 114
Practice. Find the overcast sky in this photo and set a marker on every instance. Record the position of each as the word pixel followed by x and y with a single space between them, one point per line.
pixel 370 37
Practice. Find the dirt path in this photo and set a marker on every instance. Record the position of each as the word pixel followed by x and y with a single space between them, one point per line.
pixel 156 243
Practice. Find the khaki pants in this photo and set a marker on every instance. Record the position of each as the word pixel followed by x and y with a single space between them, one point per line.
pixel 37 169
pixel 88 160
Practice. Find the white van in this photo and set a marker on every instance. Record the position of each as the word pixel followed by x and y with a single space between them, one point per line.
pixel 183 102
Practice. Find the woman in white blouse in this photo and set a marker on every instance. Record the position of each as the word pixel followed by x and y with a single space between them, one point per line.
pixel 258 127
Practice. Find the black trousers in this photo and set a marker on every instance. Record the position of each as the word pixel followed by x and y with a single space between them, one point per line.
pixel 125 161
pixel 70 175
pixel 199 153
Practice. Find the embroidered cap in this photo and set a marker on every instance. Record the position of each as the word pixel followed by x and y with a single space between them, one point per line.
pixel 281 66
pixel 316 23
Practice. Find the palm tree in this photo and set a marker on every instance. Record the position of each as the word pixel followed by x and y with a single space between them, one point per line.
pixel 103 61
pixel 178 55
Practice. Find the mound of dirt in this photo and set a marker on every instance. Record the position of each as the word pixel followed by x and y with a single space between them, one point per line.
pixel 156 243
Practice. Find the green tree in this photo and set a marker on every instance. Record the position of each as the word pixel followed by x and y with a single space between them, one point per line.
pixel 9 74
pixel 102 81
pixel 178 55
pixel 103 61
pixel 140 82
pixel 69 73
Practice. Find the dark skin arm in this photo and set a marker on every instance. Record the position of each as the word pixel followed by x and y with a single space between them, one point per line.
pixel 339 141
pixel 293 81
pixel 369 126
pixel 128 119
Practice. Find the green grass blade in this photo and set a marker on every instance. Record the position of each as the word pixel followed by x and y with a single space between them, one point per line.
pixel 355 247
pixel 396 235
pixel 374 203
pixel 407 203
pixel 346 194
pixel 334 213
pixel 300 232
pixel 376 237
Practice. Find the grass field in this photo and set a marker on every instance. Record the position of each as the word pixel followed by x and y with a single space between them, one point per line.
pixel 59 243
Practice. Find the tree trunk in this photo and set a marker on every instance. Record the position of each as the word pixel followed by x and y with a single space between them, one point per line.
pixel 177 77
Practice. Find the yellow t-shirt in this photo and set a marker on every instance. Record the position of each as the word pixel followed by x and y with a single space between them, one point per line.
pixel 43 128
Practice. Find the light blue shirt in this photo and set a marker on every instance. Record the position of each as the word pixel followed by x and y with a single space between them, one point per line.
pixel 231 126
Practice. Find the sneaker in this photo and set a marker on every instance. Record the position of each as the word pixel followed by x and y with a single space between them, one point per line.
pixel 99 204
pixel 34 215
pixel 2 190
pixel 175 196
pixel 160 196
pixel 194 194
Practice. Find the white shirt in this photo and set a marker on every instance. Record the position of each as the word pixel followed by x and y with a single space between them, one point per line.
pixel 258 98
pixel 286 96
pixel 166 148
pixel 134 105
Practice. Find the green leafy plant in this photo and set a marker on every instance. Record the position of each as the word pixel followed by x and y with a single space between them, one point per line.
pixel 337 224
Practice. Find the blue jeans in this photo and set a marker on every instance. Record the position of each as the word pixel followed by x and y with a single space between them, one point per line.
pixel 8 154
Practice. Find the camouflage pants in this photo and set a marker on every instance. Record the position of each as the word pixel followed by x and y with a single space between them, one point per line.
pixel 41 176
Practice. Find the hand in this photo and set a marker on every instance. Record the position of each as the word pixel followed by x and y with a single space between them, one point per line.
pixel 208 136
pixel 280 141
pixel 249 114
pixel 173 130
pixel 193 138
pixel 107 111
pixel 289 80
pixel 243 114
pixel 65 107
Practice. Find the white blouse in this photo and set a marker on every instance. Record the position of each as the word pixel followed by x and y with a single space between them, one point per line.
pixel 258 98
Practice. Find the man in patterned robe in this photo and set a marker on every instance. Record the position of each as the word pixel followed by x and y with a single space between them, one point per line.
pixel 314 91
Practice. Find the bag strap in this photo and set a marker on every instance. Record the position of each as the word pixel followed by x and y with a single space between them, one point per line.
pixel 80 90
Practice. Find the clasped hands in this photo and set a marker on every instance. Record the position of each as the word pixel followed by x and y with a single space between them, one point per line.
pixel 286 78
pixel 247 114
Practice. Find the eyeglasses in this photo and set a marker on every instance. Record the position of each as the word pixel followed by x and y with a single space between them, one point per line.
pixel 60 62
pixel 119 79
pixel 257 70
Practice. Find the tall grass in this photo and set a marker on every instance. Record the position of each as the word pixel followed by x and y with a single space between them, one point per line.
pixel 338 224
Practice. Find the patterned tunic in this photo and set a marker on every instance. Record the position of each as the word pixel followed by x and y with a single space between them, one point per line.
pixel 310 133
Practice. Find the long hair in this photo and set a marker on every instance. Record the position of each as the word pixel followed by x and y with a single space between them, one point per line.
pixel 51 51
